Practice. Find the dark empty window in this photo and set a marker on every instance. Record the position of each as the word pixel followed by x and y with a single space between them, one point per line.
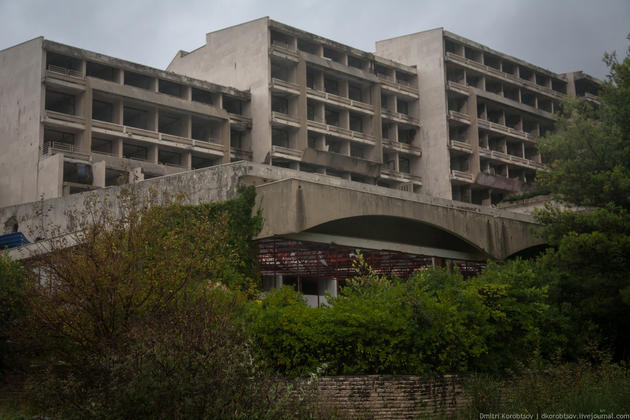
pixel 279 137
pixel 202 96
pixel 60 102
pixel 137 80
pixel 280 104
pixel 355 92
pixel 332 117
pixel 102 111
pixel 232 105
pixel 100 71
pixel 331 86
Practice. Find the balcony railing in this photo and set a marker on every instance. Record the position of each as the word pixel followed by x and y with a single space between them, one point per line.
pixel 400 176
pixel 507 158
pixel 286 152
pixel 284 85
pixel 458 87
pixel 458 116
pixel 65 71
pixel 402 147
pixel 52 147
pixel 461 146
pixel 504 129
pixel 499 73
pixel 461 176
pixel 399 116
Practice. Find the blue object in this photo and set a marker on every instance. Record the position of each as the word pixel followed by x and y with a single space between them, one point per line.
pixel 13 240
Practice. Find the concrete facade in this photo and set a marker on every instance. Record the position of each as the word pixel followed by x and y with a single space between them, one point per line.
pixel 481 113
pixel 72 120
pixel 317 105
pixel 429 112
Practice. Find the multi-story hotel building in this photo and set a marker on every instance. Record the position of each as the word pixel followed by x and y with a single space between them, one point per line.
pixel 430 113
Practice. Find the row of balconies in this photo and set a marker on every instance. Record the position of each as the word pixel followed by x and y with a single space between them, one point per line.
pixel 510 78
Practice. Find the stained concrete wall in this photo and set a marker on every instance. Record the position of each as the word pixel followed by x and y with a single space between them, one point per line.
pixel 292 202
pixel 237 56
pixel 426 51
pixel 20 107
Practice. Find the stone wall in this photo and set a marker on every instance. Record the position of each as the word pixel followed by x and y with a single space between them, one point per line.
pixel 392 396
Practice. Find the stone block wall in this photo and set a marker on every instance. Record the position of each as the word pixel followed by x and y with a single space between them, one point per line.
pixel 392 396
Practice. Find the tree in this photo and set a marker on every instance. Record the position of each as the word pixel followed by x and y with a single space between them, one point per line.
pixel 140 317
pixel 589 167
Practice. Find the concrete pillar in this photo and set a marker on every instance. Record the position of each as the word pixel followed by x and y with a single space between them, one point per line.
pixel 224 136
pixel 117 147
pixel 472 136
pixel 152 153
pixel 187 160
pixel 376 153
pixel 98 174
pixel 300 80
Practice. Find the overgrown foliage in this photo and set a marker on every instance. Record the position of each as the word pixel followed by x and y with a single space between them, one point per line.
pixel 435 322
pixel 602 389
pixel 588 268
pixel 139 318
pixel 12 307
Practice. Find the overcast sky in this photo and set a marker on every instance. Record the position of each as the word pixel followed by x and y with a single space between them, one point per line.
pixel 561 35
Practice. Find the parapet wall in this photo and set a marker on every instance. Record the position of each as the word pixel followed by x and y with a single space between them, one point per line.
pixel 392 396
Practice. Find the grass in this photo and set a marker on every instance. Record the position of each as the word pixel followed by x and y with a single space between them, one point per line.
pixel 566 388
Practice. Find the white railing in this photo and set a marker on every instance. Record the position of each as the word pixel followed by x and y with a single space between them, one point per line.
pixel 63 70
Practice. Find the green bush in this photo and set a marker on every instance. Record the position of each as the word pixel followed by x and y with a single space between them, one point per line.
pixel 12 307
pixel 435 322
pixel 139 318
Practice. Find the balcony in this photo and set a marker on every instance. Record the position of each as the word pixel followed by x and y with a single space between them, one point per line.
pixel 461 176
pixel 390 174
pixel 459 116
pixel 333 99
pixel 460 146
pixel 175 139
pixel 285 51
pixel 399 117
pixel 284 119
pixel 506 158
pixel 402 147
pixel 504 76
pixel 65 72
pixel 67 149
pixel 404 89
pixel 240 154
pixel 284 86
pixel 457 87
pixel 341 132
pixel 63 119
pixel 286 153
pixel 503 129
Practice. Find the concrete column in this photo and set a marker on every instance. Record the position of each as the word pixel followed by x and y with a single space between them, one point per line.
pixel 117 147
pixel 188 126
pixel 187 160
pixel 98 174
pixel 376 153
pixel 472 136
pixel 224 133
pixel 152 153
pixel 300 80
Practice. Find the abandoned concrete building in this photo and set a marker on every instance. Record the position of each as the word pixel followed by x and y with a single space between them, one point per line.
pixel 400 153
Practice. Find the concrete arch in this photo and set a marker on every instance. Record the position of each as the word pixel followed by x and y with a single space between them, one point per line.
pixel 294 206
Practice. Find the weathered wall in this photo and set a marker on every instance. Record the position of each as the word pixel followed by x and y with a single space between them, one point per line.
pixel 20 105
pixel 391 397
pixel 237 56
pixel 292 202
pixel 425 50
pixel 292 206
